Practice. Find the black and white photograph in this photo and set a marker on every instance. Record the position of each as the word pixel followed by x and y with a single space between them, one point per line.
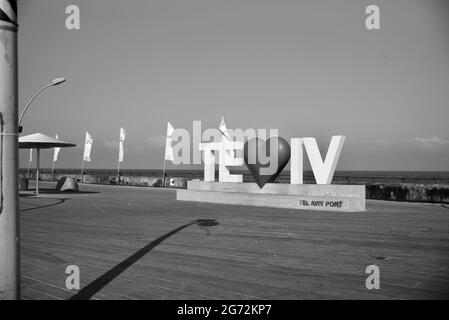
pixel 224 155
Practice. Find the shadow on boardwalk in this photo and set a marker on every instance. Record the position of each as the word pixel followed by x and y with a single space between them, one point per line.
pixel 95 286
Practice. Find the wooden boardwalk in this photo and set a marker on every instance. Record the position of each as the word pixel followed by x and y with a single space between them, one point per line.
pixel 140 243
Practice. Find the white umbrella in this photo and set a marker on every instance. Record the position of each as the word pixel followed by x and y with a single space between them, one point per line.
pixel 41 141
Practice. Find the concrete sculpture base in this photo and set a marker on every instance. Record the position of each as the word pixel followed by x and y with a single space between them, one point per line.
pixel 345 198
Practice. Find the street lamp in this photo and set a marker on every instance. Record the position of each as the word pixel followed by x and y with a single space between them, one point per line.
pixel 54 82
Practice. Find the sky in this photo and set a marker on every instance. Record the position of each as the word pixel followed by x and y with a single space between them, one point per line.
pixel 308 68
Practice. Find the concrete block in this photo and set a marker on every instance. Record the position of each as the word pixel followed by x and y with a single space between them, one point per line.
pixel 345 198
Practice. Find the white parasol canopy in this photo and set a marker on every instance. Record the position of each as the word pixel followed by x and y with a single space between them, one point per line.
pixel 41 141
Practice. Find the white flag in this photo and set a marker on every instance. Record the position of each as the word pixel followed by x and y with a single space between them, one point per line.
pixel 31 155
pixel 225 135
pixel 56 152
pixel 87 147
pixel 169 142
pixel 224 130
pixel 122 134
pixel 121 141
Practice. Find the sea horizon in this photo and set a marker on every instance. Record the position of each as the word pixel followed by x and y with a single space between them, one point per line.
pixel 340 176
pixel 235 170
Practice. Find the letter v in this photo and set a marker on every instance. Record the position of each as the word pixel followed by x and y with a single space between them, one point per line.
pixel 324 171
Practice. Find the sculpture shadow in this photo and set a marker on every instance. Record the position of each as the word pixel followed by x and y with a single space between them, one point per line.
pixel 54 191
pixel 24 195
pixel 95 286
pixel 58 201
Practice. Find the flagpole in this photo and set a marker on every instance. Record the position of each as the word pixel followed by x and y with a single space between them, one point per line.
pixel 169 147
pixel 163 174
pixel 53 170
pixel 163 170
pixel 118 167
pixel 82 170
pixel 55 153
pixel 87 142
pixel 29 165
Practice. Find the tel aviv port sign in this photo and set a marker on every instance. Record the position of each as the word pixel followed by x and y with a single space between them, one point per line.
pixel 265 156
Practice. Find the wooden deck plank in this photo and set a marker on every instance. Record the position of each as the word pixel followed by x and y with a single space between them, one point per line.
pixel 240 253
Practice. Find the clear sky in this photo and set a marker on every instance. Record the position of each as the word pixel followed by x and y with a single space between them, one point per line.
pixel 308 68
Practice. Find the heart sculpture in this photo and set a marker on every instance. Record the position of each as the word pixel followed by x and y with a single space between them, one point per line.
pixel 255 147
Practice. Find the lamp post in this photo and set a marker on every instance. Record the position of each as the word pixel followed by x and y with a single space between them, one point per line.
pixel 9 172
pixel 55 82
